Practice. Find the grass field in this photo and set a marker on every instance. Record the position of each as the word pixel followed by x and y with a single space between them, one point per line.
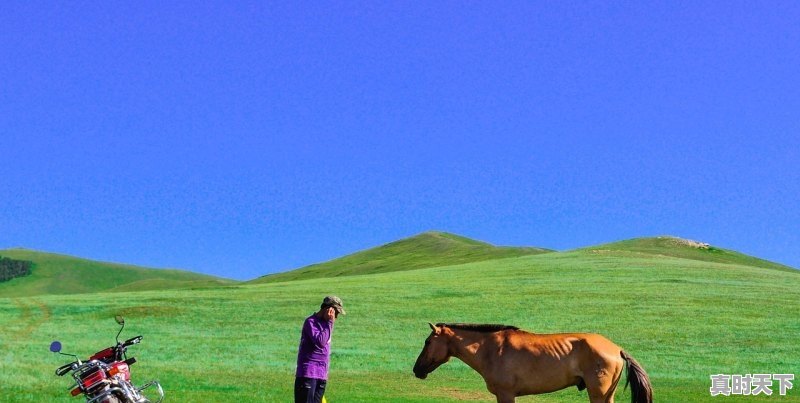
pixel 682 319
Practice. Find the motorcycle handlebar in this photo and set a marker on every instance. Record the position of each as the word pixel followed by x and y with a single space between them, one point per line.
pixel 132 341
pixel 62 370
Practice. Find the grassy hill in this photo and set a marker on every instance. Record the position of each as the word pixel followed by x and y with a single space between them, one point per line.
pixel 60 274
pixel 682 319
pixel 429 249
pixel 668 246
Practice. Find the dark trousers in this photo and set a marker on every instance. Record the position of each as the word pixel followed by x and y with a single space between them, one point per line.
pixel 309 390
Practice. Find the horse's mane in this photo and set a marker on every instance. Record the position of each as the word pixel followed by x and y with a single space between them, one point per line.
pixel 486 328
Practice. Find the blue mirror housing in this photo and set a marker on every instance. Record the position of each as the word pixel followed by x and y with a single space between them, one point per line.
pixel 55 346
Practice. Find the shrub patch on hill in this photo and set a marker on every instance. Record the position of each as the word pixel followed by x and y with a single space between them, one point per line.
pixel 12 268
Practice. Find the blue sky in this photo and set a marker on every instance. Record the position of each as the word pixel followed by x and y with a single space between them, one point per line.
pixel 239 139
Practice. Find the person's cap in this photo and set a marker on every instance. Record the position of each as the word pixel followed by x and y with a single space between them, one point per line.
pixel 334 301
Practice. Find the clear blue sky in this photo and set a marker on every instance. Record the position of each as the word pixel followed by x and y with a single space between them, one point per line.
pixel 239 139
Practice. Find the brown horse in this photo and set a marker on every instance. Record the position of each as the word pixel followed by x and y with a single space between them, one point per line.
pixel 515 363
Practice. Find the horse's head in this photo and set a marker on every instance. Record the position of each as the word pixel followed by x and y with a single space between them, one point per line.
pixel 435 353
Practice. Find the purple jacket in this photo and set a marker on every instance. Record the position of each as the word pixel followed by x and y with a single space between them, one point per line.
pixel 315 348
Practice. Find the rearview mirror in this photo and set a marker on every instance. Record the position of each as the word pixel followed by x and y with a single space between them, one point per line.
pixel 55 346
pixel 120 319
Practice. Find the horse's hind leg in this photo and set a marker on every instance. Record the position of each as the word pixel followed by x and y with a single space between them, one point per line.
pixel 602 385
pixel 599 399
pixel 596 395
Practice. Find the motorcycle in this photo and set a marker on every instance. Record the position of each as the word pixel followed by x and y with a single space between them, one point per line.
pixel 106 377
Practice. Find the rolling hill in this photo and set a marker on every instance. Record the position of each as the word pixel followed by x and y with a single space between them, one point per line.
pixel 61 274
pixel 429 249
pixel 433 249
pixel 669 246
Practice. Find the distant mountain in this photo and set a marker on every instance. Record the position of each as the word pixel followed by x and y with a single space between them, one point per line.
pixel 429 249
pixel 682 248
pixel 61 274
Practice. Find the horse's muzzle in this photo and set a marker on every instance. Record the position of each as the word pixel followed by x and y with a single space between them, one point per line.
pixel 420 372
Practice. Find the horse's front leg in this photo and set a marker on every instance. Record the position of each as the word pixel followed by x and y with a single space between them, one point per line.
pixel 505 398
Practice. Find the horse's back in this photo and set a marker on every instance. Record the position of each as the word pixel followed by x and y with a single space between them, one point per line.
pixel 592 342
pixel 577 352
pixel 601 345
pixel 592 348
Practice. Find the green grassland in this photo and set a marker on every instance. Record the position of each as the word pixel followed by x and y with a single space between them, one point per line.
pixel 60 274
pixel 683 319
pixel 429 249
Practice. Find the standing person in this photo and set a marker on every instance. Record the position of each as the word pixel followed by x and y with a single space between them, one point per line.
pixel 314 354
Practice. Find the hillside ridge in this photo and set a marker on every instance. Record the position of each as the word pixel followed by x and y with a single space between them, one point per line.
pixel 424 250
pixel 677 247
pixel 56 273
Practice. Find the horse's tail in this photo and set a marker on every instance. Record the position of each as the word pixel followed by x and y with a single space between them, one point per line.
pixel 641 390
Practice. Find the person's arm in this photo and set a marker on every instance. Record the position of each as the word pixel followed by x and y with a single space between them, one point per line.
pixel 321 335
